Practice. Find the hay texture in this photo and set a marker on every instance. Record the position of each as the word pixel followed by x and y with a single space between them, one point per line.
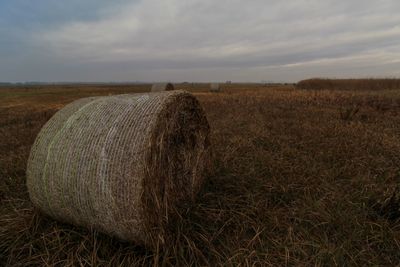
pixel 159 87
pixel 214 87
pixel 120 164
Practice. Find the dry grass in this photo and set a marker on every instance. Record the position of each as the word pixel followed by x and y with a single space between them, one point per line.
pixel 296 182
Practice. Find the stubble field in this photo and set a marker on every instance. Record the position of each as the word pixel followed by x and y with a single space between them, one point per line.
pixel 301 177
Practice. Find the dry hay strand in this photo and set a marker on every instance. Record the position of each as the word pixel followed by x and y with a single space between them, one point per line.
pixel 121 164
pixel 159 87
pixel 214 87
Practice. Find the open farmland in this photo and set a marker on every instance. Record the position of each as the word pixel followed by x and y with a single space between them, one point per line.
pixel 301 177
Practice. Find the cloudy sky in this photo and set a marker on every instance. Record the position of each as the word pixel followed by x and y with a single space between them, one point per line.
pixel 198 40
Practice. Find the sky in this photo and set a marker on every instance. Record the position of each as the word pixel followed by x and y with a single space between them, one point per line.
pixel 198 40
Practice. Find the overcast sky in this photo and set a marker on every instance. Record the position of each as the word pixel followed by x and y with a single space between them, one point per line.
pixel 198 40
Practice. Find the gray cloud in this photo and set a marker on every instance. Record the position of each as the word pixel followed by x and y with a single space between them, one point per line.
pixel 213 40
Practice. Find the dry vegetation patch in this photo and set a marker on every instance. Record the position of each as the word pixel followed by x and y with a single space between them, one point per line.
pixel 294 184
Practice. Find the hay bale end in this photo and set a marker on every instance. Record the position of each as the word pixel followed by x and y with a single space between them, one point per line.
pixel 159 87
pixel 214 87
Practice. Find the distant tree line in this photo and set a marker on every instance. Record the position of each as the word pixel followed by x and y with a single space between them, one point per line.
pixel 349 84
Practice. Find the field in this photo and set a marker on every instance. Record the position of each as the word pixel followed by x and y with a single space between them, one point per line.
pixel 301 178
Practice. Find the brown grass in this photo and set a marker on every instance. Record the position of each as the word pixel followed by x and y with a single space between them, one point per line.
pixel 296 182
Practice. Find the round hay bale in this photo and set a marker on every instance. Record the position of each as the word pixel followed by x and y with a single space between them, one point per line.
pixel 120 164
pixel 159 87
pixel 214 87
